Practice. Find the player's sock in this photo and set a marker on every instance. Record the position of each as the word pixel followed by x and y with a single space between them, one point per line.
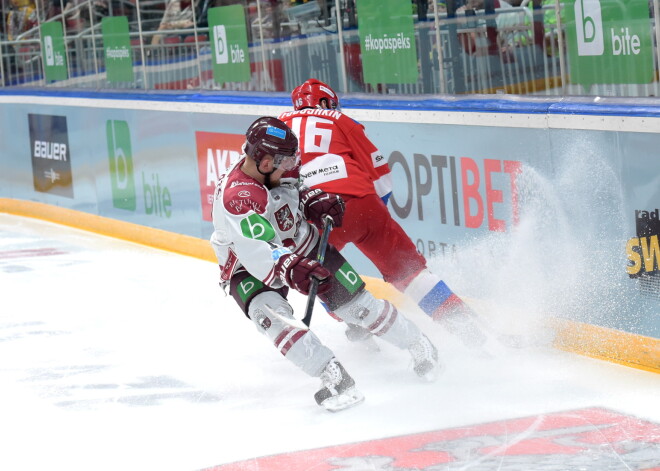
pixel 439 302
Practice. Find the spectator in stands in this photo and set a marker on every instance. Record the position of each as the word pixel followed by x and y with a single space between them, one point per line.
pixel 325 6
pixel 551 38
pixel 442 6
pixel 420 8
pixel 21 18
pixel 76 13
pixel 178 15
pixel 4 11
pixel 276 17
pixel 511 31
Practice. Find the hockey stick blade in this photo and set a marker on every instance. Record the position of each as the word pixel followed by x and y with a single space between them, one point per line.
pixel 320 257
pixel 508 340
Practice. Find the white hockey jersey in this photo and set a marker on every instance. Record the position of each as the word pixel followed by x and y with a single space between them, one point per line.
pixel 255 226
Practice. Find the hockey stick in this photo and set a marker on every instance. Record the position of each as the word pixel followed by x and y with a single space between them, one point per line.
pixel 320 257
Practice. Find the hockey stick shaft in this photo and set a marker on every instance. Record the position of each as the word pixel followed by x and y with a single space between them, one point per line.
pixel 320 257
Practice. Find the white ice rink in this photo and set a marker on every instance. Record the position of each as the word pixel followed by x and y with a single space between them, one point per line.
pixel 115 356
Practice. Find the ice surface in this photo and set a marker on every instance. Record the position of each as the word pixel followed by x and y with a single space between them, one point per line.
pixel 115 356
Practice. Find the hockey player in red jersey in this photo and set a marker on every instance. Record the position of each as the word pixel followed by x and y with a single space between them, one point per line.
pixel 265 246
pixel 338 157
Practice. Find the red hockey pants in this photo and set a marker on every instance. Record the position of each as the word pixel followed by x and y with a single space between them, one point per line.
pixel 368 224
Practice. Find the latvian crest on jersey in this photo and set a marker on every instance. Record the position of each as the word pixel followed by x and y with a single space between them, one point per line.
pixel 284 218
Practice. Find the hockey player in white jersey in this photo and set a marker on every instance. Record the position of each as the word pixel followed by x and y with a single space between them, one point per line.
pixel 266 244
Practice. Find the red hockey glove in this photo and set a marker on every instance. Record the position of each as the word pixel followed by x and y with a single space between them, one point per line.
pixel 317 204
pixel 296 271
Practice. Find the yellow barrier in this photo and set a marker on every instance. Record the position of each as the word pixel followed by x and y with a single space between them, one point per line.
pixel 612 345
pixel 160 239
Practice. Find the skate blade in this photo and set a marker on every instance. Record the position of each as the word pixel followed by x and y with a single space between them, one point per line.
pixel 432 375
pixel 349 398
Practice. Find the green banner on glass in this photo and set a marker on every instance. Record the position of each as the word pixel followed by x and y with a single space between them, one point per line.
pixel 229 46
pixel 117 48
pixel 53 52
pixel 387 41
pixel 609 41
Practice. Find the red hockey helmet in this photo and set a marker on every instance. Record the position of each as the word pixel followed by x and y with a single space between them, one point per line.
pixel 311 93
pixel 268 135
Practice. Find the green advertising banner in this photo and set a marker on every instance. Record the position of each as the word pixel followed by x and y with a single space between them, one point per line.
pixel 53 52
pixel 609 41
pixel 117 48
pixel 229 46
pixel 387 41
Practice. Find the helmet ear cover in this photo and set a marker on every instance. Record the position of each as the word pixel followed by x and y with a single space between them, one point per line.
pixel 270 136
pixel 311 93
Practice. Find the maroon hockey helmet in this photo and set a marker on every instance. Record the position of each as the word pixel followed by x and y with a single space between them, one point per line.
pixel 268 135
pixel 311 93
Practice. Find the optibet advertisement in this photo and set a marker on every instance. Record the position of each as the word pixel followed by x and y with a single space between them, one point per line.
pixel 51 158
pixel 438 193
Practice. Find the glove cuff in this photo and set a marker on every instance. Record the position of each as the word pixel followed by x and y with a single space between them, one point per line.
pixel 306 196
pixel 283 268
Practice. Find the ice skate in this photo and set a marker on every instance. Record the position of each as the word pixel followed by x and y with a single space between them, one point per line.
pixel 425 358
pixel 455 316
pixel 338 391
pixel 356 333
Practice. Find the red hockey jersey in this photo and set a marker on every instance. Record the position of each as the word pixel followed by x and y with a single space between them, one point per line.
pixel 336 154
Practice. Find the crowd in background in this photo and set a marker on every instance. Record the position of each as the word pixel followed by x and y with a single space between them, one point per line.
pixel 173 22
pixel 20 16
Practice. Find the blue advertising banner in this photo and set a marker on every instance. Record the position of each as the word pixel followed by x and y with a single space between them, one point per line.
pixel 547 206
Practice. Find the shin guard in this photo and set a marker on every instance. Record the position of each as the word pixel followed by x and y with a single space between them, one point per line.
pixel 273 317
pixel 381 318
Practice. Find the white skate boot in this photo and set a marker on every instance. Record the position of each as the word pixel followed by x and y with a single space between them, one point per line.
pixel 425 358
pixel 338 390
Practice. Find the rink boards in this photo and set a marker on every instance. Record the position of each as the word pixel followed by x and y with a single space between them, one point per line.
pixel 569 187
